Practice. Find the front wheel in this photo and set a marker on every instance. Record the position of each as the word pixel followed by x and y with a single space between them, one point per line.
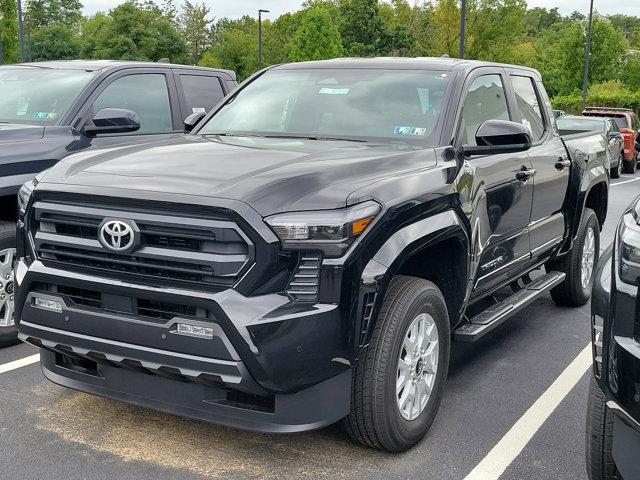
pixel 399 379
pixel 599 436
pixel 579 264
pixel 8 330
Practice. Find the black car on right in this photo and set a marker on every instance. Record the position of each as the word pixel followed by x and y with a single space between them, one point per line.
pixel 613 417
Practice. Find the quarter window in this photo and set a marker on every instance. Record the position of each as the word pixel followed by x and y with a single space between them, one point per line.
pixel 486 100
pixel 145 94
pixel 528 106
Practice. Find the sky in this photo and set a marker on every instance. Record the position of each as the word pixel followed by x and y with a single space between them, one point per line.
pixel 238 8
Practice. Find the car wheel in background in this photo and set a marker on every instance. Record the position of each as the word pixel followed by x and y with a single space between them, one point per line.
pixel 617 170
pixel 599 436
pixel 630 166
pixel 8 330
pixel 399 379
pixel 579 264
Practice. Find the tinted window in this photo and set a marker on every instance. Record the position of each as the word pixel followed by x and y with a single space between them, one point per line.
pixel 201 92
pixel 528 106
pixel 621 121
pixel 568 125
pixel 338 103
pixel 39 95
pixel 145 94
pixel 486 100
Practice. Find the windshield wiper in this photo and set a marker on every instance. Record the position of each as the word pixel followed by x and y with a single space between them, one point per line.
pixel 320 138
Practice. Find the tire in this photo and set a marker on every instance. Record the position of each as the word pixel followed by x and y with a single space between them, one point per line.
pixel 8 335
pixel 572 292
pixel 599 436
pixel 617 170
pixel 375 419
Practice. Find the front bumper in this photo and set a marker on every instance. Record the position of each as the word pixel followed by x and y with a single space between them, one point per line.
pixel 271 365
pixel 626 442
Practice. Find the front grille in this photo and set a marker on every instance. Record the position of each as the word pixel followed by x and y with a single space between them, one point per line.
pixel 199 252
pixel 142 307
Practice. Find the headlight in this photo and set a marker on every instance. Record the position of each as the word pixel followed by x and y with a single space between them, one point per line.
pixel 324 228
pixel 629 249
pixel 24 194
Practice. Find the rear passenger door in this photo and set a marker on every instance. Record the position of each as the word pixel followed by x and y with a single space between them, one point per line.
pixel 549 159
pixel 501 202
pixel 198 91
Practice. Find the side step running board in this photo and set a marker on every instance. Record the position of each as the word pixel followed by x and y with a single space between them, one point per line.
pixel 486 321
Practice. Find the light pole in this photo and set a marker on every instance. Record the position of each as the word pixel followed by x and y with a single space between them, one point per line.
pixel 463 18
pixel 587 60
pixel 260 12
pixel 20 32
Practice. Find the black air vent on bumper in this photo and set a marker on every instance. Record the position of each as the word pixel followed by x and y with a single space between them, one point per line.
pixel 305 283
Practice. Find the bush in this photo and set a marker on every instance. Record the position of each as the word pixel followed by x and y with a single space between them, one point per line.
pixel 573 103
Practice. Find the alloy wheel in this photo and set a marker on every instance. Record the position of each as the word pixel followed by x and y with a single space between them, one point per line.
pixel 7 308
pixel 588 257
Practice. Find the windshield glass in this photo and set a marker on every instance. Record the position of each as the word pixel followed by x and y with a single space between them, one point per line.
pixel 580 124
pixel 337 104
pixel 38 95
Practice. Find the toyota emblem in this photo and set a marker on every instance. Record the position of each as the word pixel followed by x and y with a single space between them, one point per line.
pixel 117 235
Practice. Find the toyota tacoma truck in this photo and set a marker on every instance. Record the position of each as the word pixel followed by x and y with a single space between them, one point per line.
pixel 310 252
pixel 613 418
pixel 49 110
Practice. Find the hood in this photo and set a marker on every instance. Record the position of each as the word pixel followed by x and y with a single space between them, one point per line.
pixel 14 133
pixel 271 175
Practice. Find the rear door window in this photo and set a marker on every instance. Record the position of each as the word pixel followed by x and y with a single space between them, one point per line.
pixel 486 100
pixel 528 106
pixel 201 92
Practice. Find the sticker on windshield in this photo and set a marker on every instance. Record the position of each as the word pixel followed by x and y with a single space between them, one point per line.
pixel 408 130
pixel 198 110
pixel 52 115
pixel 40 115
pixel 334 91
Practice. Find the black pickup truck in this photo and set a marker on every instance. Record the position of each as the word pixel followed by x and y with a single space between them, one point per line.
pixel 310 252
pixel 49 110
pixel 613 418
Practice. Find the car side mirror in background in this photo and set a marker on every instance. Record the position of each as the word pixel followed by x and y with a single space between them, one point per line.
pixel 499 136
pixel 113 120
pixel 192 120
pixel 613 135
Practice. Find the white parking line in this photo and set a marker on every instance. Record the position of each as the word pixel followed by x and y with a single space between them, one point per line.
pixel 626 181
pixel 23 362
pixel 510 446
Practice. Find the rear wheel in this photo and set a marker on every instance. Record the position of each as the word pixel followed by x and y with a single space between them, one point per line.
pixel 579 264
pixel 400 377
pixel 8 330
pixel 599 436
pixel 630 166
pixel 617 170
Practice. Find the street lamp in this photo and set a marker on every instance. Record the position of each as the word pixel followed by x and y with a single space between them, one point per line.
pixel 463 18
pixel 260 12
pixel 587 60
pixel 20 32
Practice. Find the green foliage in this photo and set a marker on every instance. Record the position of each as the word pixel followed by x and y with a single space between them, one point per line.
pixel 43 13
pixel 317 37
pixel 573 103
pixel 133 31
pixel 9 31
pixel 363 31
pixel 194 27
pixel 236 47
pixel 55 42
pixel 631 71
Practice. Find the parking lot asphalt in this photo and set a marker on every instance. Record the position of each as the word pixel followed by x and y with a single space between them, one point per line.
pixel 47 431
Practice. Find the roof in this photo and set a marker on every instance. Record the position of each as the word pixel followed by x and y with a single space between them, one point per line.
pixel 417 63
pixel 97 65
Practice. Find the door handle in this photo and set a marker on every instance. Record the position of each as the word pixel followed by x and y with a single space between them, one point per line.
pixel 562 163
pixel 525 174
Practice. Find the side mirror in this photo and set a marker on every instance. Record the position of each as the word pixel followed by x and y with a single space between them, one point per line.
pixel 113 120
pixel 192 120
pixel 500 136
pixel 614 135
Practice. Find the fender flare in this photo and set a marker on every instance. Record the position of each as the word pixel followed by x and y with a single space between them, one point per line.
pixel 404 243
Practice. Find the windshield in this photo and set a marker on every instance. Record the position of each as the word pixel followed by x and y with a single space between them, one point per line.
pixel 580 124
pixel 38 95
pixel 337 104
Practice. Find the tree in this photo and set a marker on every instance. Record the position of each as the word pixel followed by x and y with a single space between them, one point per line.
pixel 9 31
pixel 195 28
pixel 235 47
pixel 133 31
pixel 317 37
pixel 55 42
pixel 47 12
pixel 362 28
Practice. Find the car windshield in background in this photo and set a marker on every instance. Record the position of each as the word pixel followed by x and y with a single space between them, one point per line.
pixel 337 104
pixel 38 95
pixel 580 124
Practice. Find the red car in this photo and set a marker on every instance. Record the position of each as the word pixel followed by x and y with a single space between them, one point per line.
pixel 629 124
